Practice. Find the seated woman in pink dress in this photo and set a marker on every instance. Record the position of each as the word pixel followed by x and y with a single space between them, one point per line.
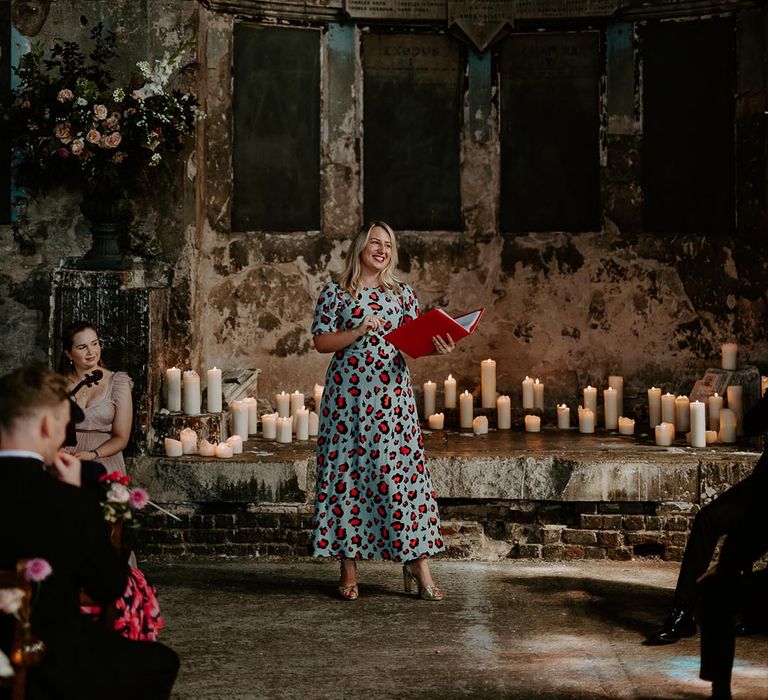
pixel 108 406
pixel 101 437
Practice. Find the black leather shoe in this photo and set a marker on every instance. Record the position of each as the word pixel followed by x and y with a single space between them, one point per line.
pixel 679 624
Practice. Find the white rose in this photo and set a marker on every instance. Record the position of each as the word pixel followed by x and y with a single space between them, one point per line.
pixel 118 494
pixel 10 600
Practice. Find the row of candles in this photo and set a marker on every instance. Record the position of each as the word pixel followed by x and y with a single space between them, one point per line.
pixel 668 414
pixel 291 419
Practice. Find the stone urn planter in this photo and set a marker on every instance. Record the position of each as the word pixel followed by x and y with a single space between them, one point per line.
pixel 108 213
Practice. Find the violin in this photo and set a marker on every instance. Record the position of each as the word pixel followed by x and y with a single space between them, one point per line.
pixel 88 380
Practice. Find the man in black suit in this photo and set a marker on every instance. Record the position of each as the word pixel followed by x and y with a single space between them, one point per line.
pixel 44 513
pixel 725 515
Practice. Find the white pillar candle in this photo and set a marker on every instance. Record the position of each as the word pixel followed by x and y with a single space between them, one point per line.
pixel 253 415
pixel 213 398
pixel 735 395
pixel 616 381
pixel 314 424
pixel 480 425
pixel 590 399
pixel 729 353
pixel 488 383
pixel 436 421
pixel 191 393
pixel 527 393
pixel 563 417
pixel 206 449
pixel 668 408
pixel 297 402
pixel 449 387
pixel 224 450
pixel 626 426
pixel 538 394
pixel 269 426
pixel 727 432
pixel 302 423
pixel 715 405
pixel 188 438
pixel 682 414
pixel 711 437
pixel 586 420
pixel 503 413
pixel 532 424
pixel 236 443
pixel 654 406
pixel 317 392
pixel 466 410
pixel 240 419
pixel 698 420
pixel 283 404
pixel 173 389
pixel 430 395
pixel 665 433
pixel 610 404
pixel 173 448
pixel 284 430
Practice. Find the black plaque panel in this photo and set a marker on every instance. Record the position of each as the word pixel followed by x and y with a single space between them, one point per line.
pixel 412 125
pixel 550 132
pixel 688 125
pixel 276 150
pixel 5 96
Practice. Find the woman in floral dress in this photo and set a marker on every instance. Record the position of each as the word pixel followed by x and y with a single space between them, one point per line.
pixel 374 497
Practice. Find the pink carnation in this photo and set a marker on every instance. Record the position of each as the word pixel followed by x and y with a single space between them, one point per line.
pixel 65 95
pixel 139 499
pixel 37 570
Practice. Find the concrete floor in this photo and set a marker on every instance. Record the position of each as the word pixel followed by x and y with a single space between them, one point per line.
pixel 272 628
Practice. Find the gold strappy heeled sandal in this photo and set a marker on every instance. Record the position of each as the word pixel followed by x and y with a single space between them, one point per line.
pixel 432 593
pixel 347 592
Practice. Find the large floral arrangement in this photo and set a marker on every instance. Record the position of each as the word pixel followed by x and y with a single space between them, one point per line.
pixel 70 121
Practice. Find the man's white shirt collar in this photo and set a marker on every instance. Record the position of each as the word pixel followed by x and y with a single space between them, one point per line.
pixel 22 453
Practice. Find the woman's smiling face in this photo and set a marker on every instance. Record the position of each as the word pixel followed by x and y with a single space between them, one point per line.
pixel 86 349
pixel 377 253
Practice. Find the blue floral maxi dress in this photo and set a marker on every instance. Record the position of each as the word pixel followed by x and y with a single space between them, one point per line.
pixel 374 497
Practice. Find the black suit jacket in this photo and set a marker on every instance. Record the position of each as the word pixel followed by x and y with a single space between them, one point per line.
pixel 755 423
pixel 42 517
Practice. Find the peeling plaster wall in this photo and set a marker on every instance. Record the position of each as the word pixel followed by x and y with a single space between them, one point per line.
pixel 568 308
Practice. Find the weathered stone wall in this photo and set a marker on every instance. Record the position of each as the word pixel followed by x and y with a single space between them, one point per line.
pixel 569 308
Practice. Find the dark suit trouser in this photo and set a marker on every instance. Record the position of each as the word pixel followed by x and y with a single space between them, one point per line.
pixel 719 596
pixel 723 516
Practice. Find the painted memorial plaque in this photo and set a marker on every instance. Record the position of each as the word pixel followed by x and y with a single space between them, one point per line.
pixel 482 21
pixel 427 10
pixel 412 107
pixel 550 131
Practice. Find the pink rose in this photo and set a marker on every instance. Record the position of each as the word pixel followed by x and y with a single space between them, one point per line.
pixel 138 499
pixel 100 111
pixel 112 140
pixel 112 122
pixel 37 570
pixel 63 132
pixel 77 147
pixel 10 600
pixel 93 136
pixel 65 95
pixel 64 152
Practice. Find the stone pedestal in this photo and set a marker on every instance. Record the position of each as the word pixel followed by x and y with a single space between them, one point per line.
pixel 129 309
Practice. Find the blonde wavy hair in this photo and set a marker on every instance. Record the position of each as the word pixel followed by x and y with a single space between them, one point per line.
pixel 350 278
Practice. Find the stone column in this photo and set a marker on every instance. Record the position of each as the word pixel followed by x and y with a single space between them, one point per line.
pixel 129 308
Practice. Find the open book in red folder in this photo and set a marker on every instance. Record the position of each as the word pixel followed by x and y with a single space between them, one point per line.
pixel 415 337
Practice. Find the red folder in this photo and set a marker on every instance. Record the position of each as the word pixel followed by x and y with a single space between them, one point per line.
pixel 415 337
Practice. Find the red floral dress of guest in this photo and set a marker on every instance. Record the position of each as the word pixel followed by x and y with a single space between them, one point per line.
pixel 138 611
